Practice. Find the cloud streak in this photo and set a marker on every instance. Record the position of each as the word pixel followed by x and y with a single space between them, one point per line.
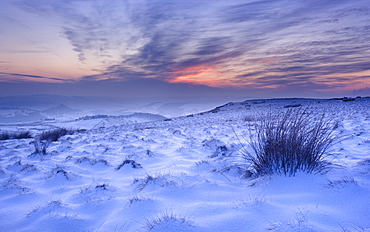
pixel 244 44
pixel 27 76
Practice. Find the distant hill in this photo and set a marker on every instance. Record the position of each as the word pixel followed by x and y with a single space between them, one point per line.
pixel 26 117
pixel 104 121
pixel 60 111
pixel 54 105
pixel 142 116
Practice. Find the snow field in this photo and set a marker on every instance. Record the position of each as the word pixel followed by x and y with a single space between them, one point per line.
pixel 183 175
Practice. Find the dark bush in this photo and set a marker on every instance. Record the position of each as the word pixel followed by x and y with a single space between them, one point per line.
pixel 292 105
pixel 289 141
pixel 15 135
pixel 54 135
pixel 43 140
pixel 132 163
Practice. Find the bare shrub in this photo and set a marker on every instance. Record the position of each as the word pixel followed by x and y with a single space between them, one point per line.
pixel 289 141
pixel 41 147
pixel 169 220
pixel 43 140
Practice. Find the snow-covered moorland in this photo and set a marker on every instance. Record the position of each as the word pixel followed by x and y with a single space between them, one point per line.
pixel 185 174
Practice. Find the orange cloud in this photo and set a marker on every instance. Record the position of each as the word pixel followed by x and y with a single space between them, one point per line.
pixel 200 74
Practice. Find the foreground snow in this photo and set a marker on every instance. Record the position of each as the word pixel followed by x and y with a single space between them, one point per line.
pixel 184 174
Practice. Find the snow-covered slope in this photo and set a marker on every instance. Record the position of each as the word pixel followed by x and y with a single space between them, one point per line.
pixel 184 174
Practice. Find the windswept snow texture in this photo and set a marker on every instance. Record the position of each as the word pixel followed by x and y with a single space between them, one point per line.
pixel 184 174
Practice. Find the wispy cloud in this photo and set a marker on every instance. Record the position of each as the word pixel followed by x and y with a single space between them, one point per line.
pixel 242 43
pixel 27 76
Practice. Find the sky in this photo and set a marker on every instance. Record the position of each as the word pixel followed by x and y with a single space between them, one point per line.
pixel 251 48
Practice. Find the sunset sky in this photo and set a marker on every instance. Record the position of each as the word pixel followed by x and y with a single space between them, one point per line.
pixel 254 48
